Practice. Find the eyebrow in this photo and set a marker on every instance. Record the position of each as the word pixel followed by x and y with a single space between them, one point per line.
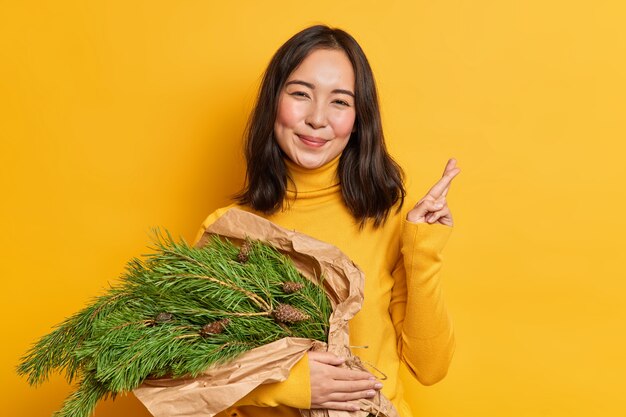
pixel 312 87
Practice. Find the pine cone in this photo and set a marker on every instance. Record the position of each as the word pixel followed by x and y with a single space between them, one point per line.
pixel 285 313
pixel 214 328
pixel 290 287
pixel 163 317
pixel 244 252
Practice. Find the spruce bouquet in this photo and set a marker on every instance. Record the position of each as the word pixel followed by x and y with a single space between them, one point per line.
pixel 188 314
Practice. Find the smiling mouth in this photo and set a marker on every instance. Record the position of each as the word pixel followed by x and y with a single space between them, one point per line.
pixel 312 141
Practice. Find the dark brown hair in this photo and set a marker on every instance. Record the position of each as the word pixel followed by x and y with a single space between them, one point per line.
pixel 371 181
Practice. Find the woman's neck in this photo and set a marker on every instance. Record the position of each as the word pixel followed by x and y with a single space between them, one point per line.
pixel 303 180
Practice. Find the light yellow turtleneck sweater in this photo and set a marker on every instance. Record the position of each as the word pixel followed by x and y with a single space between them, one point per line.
pixel 403 320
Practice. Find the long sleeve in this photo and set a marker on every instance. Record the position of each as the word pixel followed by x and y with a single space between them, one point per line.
pixel 295 391
pixel 424 331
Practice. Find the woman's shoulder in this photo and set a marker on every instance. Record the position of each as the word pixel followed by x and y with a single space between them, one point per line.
pixel 216 214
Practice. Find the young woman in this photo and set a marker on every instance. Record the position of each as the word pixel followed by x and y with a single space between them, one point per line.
pixel 317 163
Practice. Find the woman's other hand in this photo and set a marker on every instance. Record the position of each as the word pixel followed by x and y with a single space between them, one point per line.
pixel 433 208
pixel 338 388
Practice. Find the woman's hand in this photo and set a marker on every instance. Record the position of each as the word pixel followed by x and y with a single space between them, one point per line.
pixel 338 388
pixel 433 208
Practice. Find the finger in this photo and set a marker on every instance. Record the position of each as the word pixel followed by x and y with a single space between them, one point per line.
pixel 450 165
pixel 325 357
pixel 423 208
pixel 445 220
pixel 437 190
pixel 441 206
pixel 355 386
pixel 351 396
pixel 433 204
pixel 344 406
pixel 425 198
pixel 441 199
pixel 432 218
pixel 350 375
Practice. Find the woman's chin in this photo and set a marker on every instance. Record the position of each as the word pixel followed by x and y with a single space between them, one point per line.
pixel 310 163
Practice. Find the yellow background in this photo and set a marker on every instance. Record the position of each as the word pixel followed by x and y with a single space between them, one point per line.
pixel 116 116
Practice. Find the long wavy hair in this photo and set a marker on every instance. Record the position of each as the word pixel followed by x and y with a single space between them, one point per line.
pixel 371 181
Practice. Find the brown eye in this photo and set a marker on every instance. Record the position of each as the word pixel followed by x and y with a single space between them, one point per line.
pixel 299 94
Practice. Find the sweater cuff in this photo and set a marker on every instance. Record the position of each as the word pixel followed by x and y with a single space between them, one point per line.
pixel 425 237
pixel 295 391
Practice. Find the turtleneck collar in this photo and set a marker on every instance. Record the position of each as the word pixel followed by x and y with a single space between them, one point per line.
pixel 312 182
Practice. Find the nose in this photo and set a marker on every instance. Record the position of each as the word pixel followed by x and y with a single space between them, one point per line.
pixel 316 118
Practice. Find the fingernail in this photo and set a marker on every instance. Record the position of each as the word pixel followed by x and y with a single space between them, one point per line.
pixel 438 205
pixel 370 393
pixel 355 407
pixel 378 385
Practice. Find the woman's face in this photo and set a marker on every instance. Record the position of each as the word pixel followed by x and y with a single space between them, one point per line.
pixel 316 109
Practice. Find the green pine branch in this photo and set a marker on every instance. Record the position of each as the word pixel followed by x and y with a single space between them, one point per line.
pixel 176 312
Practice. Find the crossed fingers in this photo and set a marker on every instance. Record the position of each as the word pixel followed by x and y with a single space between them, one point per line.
pixel 433 207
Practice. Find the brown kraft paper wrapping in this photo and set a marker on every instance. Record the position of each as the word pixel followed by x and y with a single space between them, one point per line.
pixel 220 387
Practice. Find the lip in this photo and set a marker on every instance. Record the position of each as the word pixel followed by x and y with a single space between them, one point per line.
pixel 312 141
